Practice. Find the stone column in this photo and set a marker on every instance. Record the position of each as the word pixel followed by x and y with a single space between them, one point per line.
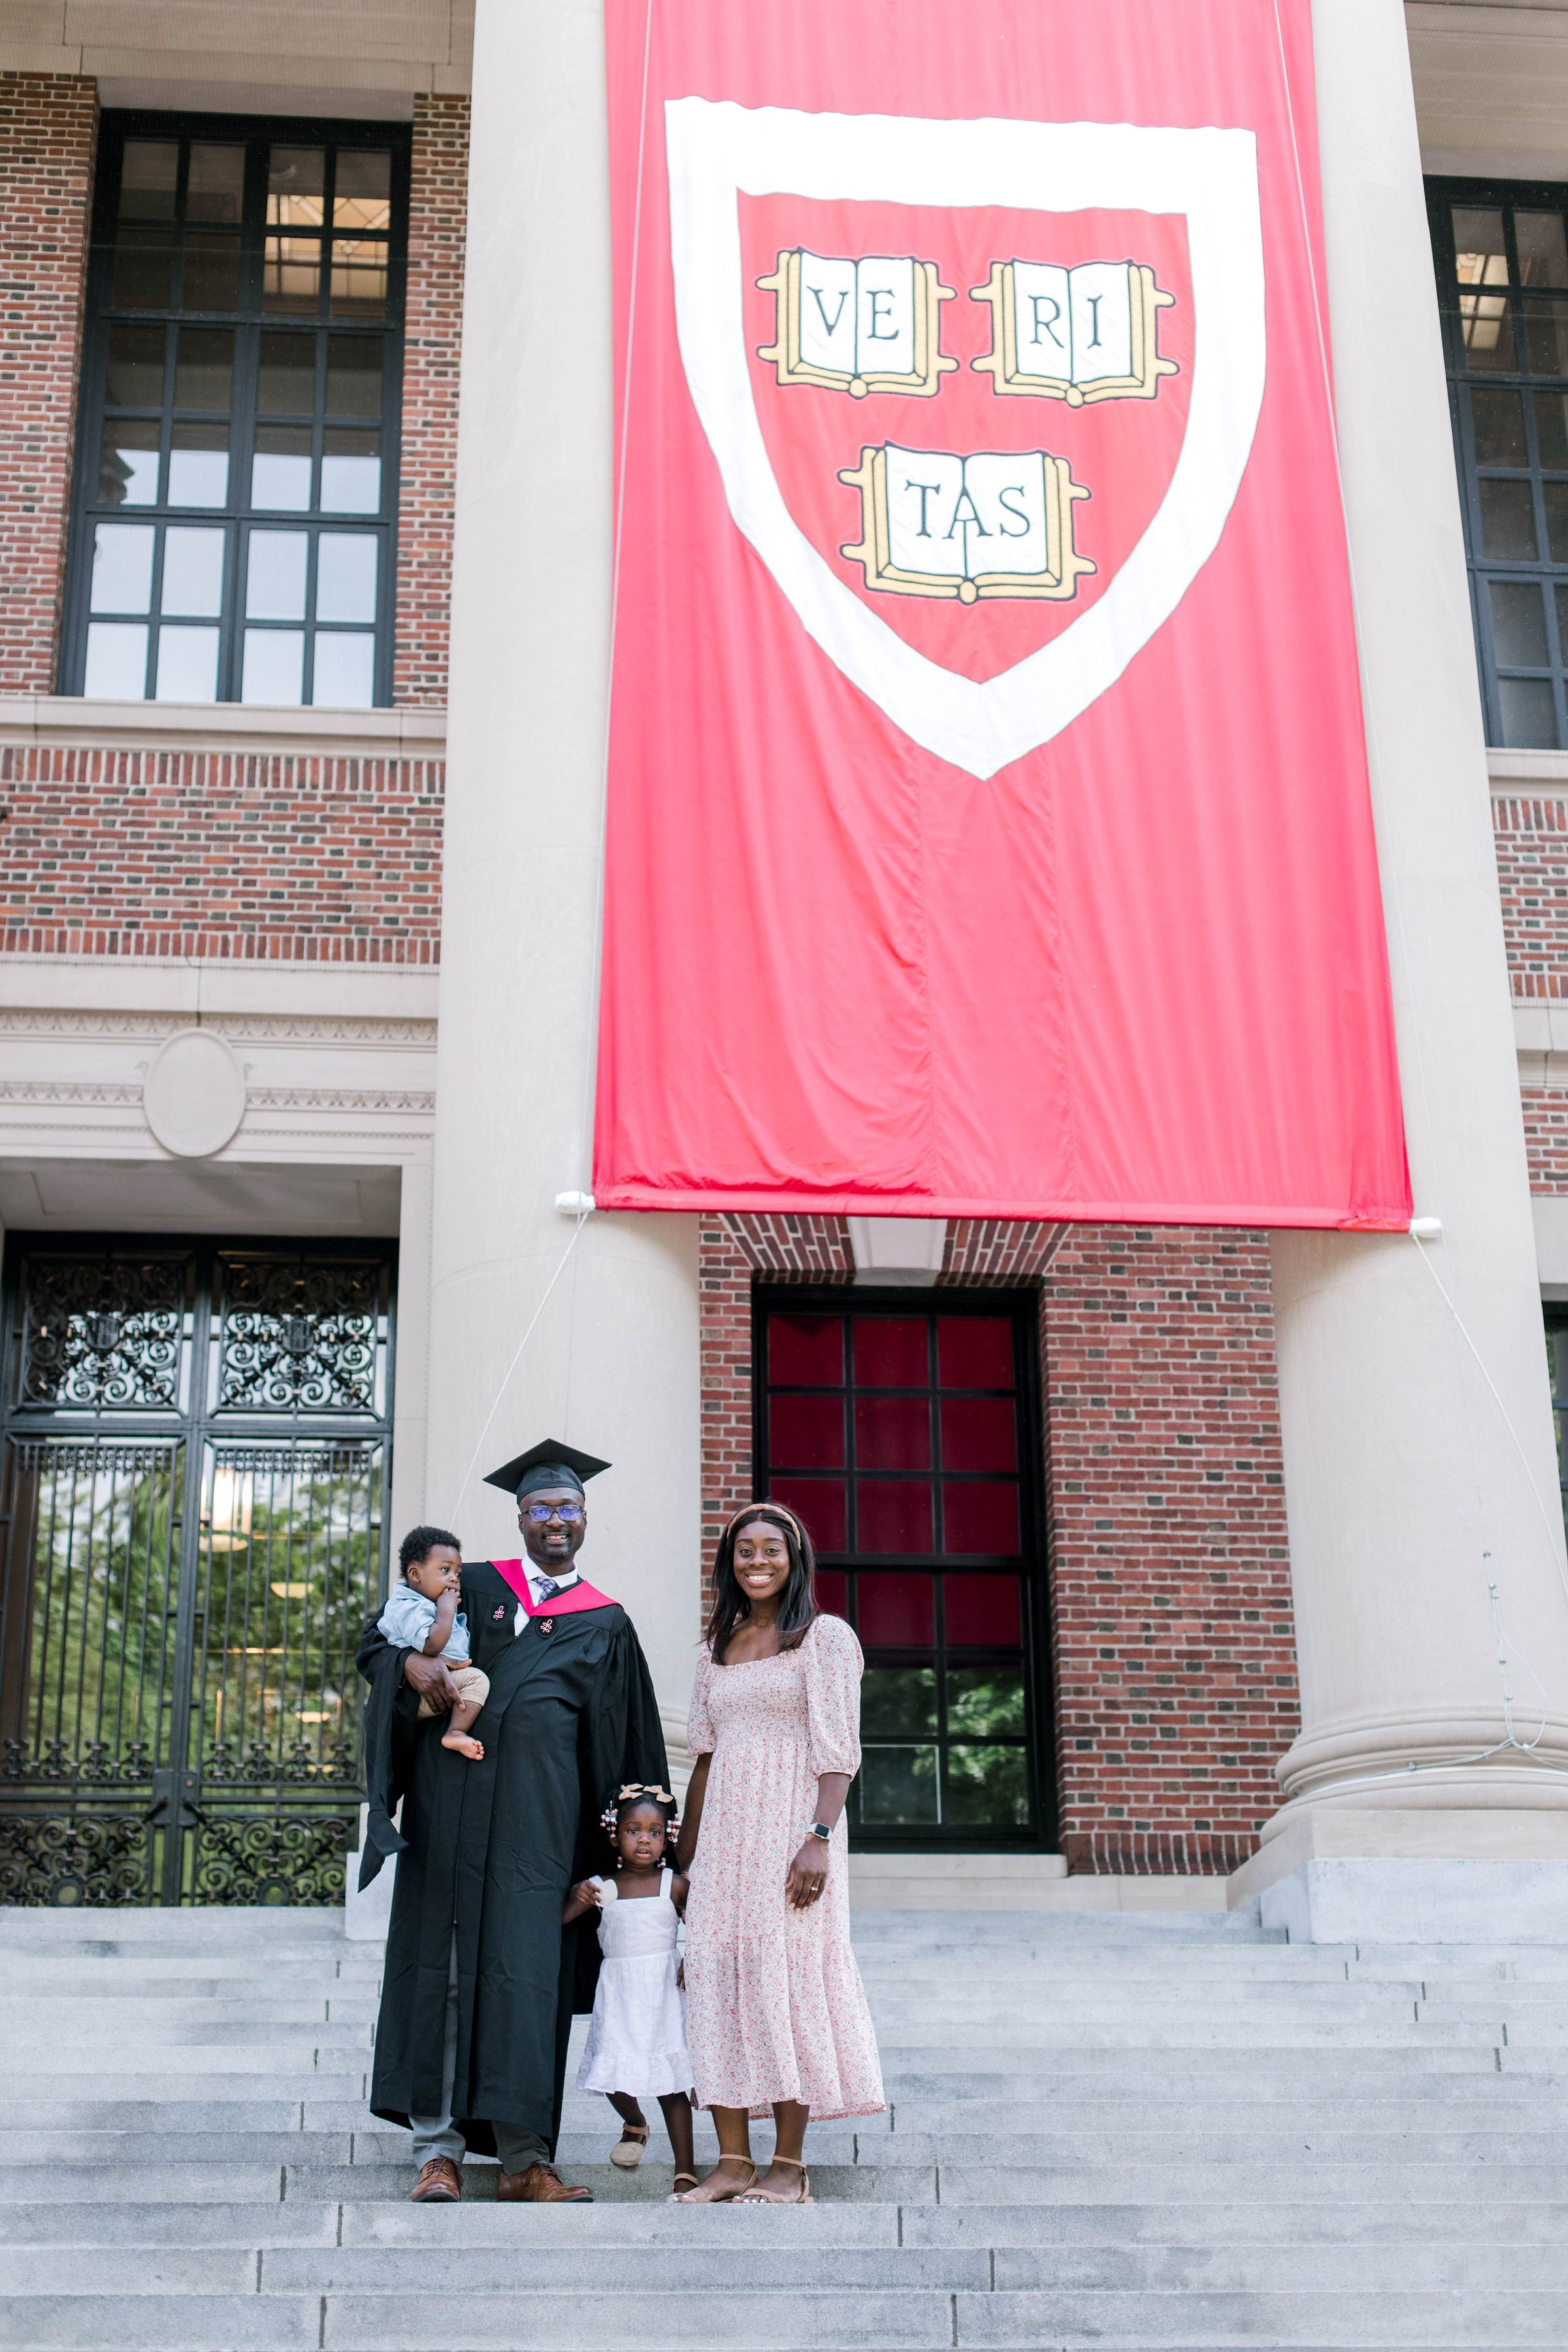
pixel 1402 1467
pixel 411 1396
pixel 612 1364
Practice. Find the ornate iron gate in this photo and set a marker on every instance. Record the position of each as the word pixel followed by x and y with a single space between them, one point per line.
pixel 196 1456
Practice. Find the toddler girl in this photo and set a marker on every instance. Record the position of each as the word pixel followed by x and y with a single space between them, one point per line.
pixel 636 2036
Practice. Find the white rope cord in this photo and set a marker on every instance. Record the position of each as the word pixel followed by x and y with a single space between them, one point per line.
pixel 516 1358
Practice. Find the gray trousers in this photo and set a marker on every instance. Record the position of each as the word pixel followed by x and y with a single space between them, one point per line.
pixel 439 2135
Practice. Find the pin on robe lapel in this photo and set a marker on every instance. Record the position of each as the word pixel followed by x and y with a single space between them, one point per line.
pixel 489 1850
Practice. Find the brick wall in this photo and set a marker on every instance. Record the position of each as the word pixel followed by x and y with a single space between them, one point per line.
pixel 431 350
pixel 220 854
pixel 1169 1572
pixel 1170 1568
pixel 48 129
pixel 1531 840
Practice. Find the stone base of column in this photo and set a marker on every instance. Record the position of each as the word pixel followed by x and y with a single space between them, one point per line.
pixel 1459 1872
pixel 1442 1757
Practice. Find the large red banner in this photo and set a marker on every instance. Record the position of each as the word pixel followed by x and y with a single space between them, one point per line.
pixel 988 831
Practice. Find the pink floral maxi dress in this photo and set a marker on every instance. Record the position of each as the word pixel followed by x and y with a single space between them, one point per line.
pixel 774 2005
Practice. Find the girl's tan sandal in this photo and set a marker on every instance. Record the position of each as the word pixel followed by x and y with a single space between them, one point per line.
pixel 755 2195
pixel 627 2151
pixel 688 2178
pixel 704 2194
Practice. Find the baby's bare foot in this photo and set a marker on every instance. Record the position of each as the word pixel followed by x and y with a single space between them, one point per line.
pixel 474 1749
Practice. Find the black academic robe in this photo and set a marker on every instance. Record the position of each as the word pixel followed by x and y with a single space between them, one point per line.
pixel 492 1849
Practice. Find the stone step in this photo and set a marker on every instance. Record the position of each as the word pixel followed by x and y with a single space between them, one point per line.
pixel 133 1974
pixel 94 2042
pixel 1185 2075
pixel 830 2143
pixel 154 2021
pixel 1331 2182
pixel 1429 2121
pixel 644 2220
pixel 707 2265
pixel 163 2183
pixel 1216 2032
pixel 1477 2103
pixel 1403 2321
pixel 1403 2223
pixel 221 2056
pixel 1442 2066
pixel 1497 2108
pixel 711 2263
pixel 664 2320
pixel 643 2216
pixel 1073 2182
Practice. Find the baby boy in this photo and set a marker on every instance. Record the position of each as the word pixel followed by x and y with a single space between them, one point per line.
pixel 422 1614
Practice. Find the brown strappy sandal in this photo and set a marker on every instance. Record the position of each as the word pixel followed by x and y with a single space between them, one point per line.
pixel 691 2179
pixel 755 2195
pixel 627 2151
pixel 719 2196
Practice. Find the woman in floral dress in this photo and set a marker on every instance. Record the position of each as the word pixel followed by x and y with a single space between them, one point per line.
pixel 776 2015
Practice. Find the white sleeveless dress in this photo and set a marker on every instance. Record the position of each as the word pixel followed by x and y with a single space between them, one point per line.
pixel 637 2035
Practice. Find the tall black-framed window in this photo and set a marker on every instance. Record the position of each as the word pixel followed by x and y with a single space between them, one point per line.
pixel 1557 1366
pixel 235 521
pixel 1502 254
pixel 904 1429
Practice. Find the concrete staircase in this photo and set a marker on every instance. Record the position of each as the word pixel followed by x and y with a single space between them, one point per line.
pixel 1159 2132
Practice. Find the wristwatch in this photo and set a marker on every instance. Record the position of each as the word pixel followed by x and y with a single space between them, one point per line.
pixel 819 1829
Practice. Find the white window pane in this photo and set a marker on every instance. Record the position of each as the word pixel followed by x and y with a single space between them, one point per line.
pixel 140 484
pixel 193 572
pixel 187 665
pixel 345 672
pixel 280 483
pixel 123 567
pixel 274 665
pixel 351 484
pixel 345 576
pixel 116 662
pixel 275 580
pixel 198 477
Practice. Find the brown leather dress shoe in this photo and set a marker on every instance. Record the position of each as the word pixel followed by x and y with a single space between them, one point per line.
pixel 439 2183
pixel 539 2185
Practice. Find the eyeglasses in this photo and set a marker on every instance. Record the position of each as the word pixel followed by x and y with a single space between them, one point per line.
pixel 567 1512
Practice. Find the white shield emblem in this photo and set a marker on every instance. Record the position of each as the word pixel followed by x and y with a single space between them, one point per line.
pixel 719 152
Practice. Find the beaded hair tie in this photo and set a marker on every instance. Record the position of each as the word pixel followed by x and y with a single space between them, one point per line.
pixel 631 1788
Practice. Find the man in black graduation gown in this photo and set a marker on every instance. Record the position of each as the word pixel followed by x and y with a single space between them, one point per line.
pixel 481 1980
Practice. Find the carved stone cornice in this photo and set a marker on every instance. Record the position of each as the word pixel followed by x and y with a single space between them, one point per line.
pixel 252 1028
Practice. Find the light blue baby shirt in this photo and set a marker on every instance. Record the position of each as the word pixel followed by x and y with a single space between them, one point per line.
pixel 408 1618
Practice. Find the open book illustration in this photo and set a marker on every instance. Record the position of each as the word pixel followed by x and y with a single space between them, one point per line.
pixel 995 524
pixel 872 325
pixel 1079 335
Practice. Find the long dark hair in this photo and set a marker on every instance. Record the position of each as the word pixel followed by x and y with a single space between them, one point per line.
pixel 797 1603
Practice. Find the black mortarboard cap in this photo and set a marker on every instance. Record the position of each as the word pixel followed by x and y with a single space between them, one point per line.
pixel 549 1463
